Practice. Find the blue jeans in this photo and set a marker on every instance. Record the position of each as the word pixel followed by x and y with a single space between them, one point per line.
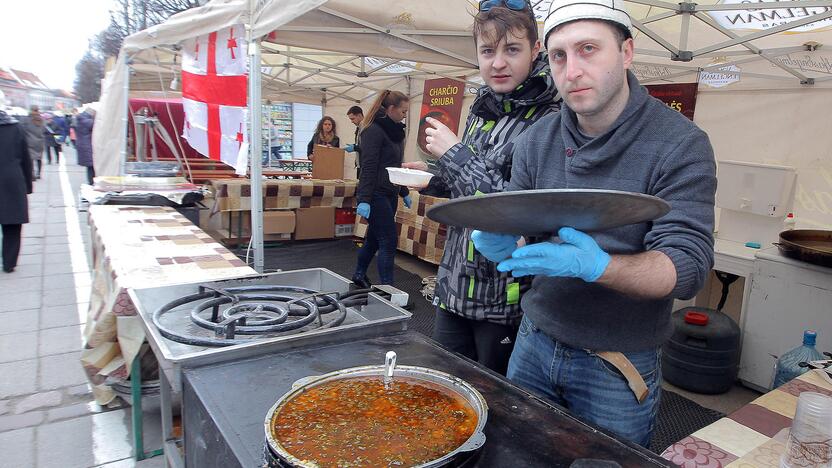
pixel 381 237
pixel 589 387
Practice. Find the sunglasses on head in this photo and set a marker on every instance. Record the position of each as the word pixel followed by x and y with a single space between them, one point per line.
pixel 516 5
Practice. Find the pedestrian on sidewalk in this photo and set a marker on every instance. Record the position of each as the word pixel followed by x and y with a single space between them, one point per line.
pixel 33 128
pixel 15 183
pixel 72 122
pixel 50 133
pixel 83 142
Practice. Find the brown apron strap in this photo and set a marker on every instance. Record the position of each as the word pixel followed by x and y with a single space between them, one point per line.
pixel 630 372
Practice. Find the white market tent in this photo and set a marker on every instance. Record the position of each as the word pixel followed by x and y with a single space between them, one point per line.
pixel 765 74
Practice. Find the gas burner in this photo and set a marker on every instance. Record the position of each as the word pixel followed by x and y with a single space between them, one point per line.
pixel 257 310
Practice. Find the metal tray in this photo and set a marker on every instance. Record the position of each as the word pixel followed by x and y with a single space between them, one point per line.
pixel 543 212
pixel 377 318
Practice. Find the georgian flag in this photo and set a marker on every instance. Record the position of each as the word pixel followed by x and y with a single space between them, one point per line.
pixel 214 95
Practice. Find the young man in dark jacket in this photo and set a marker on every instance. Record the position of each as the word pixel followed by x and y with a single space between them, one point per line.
pixel 478 307
pixel 599 306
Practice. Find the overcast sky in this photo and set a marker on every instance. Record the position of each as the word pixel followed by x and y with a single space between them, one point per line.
pixel 48 37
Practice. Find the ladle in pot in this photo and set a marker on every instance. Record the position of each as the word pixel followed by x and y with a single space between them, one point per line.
pixel 389 366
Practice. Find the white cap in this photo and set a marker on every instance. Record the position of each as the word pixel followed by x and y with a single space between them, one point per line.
pixel 564 11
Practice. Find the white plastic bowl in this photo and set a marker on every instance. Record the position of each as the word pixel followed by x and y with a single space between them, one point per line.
pixel 409 177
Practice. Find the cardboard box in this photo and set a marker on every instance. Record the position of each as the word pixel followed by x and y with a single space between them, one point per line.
pixel 315 223
pixel 278 222
pixel 327 163
pixel 350 171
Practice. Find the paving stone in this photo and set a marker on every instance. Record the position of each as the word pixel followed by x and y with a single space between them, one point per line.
pixel 16 285
pixel 86 441
pixel 61 370
pixel 19 321
pixel 57 258
pixel 33 259
pixel 18 448
pixel 18 378
pixel 26 271
pixel 73 411
pixel 22 300
pixel 38 400
pixel 29 248
pixel 68 280
pixel 18 421
pixel 65 296
pixel 18 347
pixel 57 248
pixel 62 316
pixel 79 390
pixel 60 340
pixel 63 268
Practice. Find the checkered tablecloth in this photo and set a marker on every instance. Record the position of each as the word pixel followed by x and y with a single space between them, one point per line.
pixel 134 246
pixel 235 194
pixel 753 436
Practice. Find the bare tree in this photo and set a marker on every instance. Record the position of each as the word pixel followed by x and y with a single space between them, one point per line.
pixel 126 18
pixel 88 75
pixel 130 16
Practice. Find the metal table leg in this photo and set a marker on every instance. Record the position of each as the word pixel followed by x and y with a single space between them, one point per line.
pixel 172 454
pixel 136 396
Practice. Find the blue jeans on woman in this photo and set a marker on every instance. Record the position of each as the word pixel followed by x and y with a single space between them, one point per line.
pixel 589 387
pixel 381 237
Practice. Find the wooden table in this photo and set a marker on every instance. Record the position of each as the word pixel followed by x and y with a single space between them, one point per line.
pixel 753 436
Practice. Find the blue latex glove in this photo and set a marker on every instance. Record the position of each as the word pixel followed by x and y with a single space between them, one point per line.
pixel 407 201
pixel 495 247
pixel 577 256
pixel 363 210
pixel 349 148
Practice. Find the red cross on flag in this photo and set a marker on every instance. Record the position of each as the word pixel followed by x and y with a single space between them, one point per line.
pixel 214 94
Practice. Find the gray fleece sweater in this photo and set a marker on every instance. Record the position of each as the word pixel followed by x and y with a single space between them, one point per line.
pixel 649 149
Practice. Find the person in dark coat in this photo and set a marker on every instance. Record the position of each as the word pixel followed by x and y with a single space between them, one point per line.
pixel 15 184
pixel 33 128
pixel 51 131
pixel 83 141
pixel 382 145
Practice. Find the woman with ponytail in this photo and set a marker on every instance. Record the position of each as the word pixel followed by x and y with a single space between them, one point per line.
pixel 382 137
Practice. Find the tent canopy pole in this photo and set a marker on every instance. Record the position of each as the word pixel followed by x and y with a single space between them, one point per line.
pixel 255 142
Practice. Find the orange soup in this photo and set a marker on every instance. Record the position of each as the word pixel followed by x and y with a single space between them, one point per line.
pixel 361 422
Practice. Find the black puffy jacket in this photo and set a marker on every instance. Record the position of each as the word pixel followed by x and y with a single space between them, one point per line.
pixel 382 145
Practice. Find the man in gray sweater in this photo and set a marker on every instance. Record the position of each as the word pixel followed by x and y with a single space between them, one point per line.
pixel 599 307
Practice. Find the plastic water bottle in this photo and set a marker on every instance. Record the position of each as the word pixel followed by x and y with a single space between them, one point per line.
pixel 789 222
pixel 787 365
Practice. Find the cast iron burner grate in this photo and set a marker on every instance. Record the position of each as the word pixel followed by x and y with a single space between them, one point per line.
pixel 256 310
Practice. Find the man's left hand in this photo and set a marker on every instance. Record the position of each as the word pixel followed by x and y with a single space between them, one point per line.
pixel 577 256
pixel 440 138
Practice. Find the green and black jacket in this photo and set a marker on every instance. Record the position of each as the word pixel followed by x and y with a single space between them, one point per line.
pixel 467 283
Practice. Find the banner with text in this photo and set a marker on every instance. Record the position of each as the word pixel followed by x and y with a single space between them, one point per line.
pixel 442 100
pixel 680 96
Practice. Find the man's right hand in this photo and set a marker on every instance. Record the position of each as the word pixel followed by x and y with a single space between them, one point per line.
pixel 418 165
pixel 363 210
pixel 495 247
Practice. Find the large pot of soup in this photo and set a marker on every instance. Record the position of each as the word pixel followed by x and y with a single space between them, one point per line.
pixel 386 415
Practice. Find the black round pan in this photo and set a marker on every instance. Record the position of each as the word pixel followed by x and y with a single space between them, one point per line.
pixel 809 245
pixel 544 212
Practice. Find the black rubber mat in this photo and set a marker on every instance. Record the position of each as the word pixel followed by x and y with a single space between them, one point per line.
pixel 679 418
pixel 339 256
